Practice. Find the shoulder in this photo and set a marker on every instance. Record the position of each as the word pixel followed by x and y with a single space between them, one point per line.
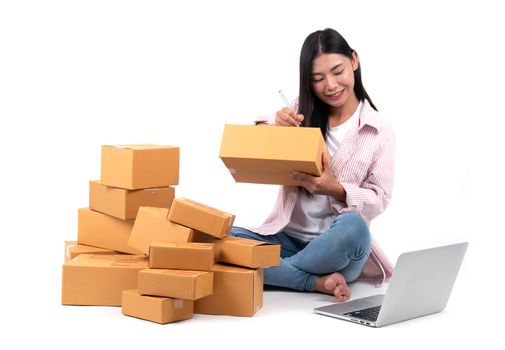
pixel 374 119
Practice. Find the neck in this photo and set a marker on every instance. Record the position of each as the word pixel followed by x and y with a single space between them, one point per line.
pixel 339 115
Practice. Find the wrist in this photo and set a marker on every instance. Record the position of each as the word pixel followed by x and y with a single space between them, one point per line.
pixel 338 191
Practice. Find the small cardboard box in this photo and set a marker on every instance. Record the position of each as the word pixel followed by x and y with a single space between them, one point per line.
pixel 183 256
pixel 152 225
pixel 237 292
pixel 124 204
pixel 267 155
pixel 241 251
pixel 100 279
pixel 157 309
pixel 200 217
pixel 104 231
pixel 140 166
pixel 247 252
pixel 73 249
pixel 183 284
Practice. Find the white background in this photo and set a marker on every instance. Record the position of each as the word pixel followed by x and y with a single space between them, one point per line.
pixel 78 74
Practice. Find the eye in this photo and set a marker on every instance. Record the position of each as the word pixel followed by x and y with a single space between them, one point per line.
pixel 317 80
pixel 339 72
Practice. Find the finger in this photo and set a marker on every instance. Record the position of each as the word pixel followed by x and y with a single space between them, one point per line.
pixel 294 121
pixel 286 117
pixel 292 118
pixel 326 161
pixel 282 122
pixel 298 118
pixel 301 177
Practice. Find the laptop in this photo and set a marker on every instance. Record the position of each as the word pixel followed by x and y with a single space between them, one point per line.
pixel 420 286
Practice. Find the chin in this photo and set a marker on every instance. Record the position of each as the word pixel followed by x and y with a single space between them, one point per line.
pixel 336 104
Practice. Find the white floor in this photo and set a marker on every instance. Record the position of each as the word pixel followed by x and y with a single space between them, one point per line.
pixel 286 320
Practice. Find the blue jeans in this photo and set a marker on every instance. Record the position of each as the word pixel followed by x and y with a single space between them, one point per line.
pixel 343 248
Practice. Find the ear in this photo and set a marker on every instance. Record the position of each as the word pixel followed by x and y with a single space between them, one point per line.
pixel 355 60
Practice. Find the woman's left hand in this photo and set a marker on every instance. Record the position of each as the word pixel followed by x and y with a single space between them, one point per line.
pixel 324 184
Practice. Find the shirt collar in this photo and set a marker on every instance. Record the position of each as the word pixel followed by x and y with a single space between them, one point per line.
pixel 369 116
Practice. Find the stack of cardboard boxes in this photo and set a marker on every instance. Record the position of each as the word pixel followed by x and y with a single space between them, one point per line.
pixel 131 176
pixel 192 258
pixel 154 255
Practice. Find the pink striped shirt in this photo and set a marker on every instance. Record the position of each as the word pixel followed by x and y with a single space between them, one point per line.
pixel 364 165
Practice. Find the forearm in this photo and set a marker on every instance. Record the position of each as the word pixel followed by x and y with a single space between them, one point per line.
pixel 338 191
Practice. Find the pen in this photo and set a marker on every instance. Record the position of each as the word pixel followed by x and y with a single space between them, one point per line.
pixel 286 102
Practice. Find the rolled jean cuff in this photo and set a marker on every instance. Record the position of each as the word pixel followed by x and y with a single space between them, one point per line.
pixel 310 284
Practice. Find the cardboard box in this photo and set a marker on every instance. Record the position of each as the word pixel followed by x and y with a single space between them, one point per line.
pixel 183 284
pixel 267 155
pixel 237 292
pixel 247 252
pixel 157 309
pixel 104 231
pixel 183 256
pixel 140 166
pixel 152 225
pixel 200 217
pixel 73 249
pixel 100 279
pixel 241 251
pixel 68 246
pixel 124 204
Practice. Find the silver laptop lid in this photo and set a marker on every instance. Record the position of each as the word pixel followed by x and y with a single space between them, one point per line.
pixel 421 283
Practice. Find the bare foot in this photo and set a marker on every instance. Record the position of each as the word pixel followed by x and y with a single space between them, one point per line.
pixel 334 284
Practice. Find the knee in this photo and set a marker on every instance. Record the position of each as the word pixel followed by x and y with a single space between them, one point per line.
pixel 242 233
pixel 355 230
pixel 235 231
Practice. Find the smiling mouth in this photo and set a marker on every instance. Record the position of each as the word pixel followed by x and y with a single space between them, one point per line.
pixel 336 94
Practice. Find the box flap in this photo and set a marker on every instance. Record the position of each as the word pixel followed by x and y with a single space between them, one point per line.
pixel 230 268
pixel 139 146
pixel 245 241
pixel 110 260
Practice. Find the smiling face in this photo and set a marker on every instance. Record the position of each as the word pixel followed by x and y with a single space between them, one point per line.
pixel 332 79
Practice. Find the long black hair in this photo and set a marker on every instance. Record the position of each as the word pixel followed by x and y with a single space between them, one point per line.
pixel 314 110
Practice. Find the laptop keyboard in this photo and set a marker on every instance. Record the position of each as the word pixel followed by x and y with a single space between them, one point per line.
pixel 369 314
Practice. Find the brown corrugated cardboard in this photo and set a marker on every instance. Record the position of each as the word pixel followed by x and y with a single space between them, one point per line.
pixel 152 225
pixel 100 279
pixel 140 166
pixel 104 231
pixel 200 217
pixel 157 309
pixel 68 245
pixel 267 155
pixel 183 256
pixel 241 251
pixel 124 204
pixel 248 252
pixel 73 249
pixel 237 292
pixel 183 284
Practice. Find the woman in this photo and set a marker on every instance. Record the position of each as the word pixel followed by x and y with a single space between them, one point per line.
pixel 323 225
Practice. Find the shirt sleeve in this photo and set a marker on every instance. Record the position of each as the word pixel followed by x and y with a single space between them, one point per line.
pixel 270 120
pixel 373 195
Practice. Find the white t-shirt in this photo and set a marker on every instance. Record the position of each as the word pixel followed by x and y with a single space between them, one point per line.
pixel 313 216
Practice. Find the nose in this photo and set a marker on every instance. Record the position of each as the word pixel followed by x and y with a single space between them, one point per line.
pixel 331 83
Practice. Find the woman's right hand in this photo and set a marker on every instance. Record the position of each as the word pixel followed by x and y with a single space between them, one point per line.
pixel 286 117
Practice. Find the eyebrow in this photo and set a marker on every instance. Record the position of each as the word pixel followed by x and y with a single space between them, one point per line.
pixel 333 68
